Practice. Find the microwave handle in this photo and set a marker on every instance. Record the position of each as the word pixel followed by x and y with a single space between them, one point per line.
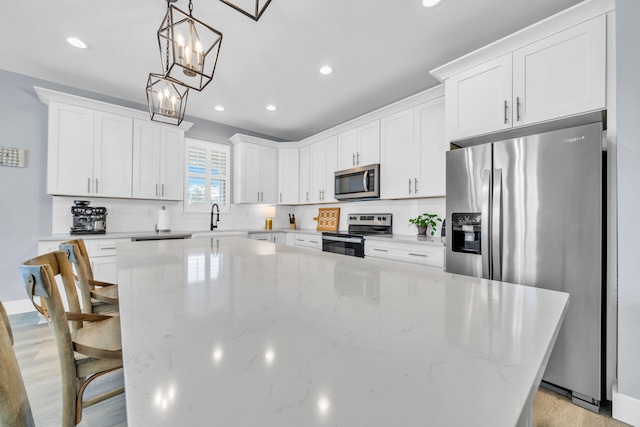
pixel 365 181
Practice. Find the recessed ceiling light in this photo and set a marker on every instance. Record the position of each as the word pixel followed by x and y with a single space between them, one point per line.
pixel 75 42
pixel 218 108
pixel 271 107
pixel 325 69
pixel 430 3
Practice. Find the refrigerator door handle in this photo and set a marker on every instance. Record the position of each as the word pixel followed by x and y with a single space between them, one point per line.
pixel 496 225
pixel 485 248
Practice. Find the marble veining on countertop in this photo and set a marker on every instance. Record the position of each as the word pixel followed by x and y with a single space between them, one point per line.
pixel 238 332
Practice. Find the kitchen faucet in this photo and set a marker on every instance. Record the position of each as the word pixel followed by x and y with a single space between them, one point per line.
pixel 217 208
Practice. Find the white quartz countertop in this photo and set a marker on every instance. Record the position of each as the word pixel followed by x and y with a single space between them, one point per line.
pixel 236 332
pixel 170 234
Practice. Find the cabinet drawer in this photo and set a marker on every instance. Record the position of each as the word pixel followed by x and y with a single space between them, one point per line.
pixel 414 253
pixel 102 247
pixel 308 241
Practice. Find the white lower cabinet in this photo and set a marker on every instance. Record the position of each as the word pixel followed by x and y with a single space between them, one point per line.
pixel 313 241
pixel 415 253
pixel 102 253
pixel 276 237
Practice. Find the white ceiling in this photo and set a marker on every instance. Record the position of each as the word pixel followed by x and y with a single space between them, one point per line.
pixel 381 51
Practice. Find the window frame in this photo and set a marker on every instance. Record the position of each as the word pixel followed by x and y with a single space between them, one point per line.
pixel 209 147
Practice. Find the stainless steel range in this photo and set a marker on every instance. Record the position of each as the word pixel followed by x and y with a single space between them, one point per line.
pixel 360 225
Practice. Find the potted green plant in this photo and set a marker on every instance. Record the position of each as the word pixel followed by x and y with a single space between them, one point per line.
pixel 424 222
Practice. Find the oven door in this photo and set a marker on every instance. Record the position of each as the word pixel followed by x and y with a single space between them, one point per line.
pixel 344 244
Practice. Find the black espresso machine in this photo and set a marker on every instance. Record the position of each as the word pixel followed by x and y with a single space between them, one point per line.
pixel 88 219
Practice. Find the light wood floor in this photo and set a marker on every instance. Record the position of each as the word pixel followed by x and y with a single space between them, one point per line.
pixel 38 358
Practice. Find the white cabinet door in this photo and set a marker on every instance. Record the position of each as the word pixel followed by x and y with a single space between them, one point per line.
pixel 288 173
pixel 431 148
pixel 347 148
pixel 146 160
pixel 305 174
pixel 331 166
pixel 397 155
pixel 246 173
pixel 561 75
pixel 359 146
pixel 269 175
pixel 479 99
pixel 368 144
pixel 105 269
pixel 171 164
pixel 70 150
pixel 112 155
pixel 255 173
pixel 318 153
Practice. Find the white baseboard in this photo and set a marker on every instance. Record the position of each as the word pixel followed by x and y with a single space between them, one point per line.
pixel 17 307
pixel 625 408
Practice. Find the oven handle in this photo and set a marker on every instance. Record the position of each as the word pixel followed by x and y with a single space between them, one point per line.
pixel 343 239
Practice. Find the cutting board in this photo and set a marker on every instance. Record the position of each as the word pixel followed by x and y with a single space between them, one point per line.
pixel 328 219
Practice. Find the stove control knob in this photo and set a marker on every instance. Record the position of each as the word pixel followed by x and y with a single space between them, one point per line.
pixel 379 219
pixel 384 218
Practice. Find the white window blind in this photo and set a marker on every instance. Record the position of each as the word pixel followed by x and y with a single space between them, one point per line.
pixel 207 175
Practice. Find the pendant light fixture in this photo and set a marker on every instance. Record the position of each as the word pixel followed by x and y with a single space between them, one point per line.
pixel 251 8
pixel 167 99
pixel 192 48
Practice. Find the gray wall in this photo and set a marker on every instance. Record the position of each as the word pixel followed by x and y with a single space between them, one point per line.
pixel 26 209
pixel 628 96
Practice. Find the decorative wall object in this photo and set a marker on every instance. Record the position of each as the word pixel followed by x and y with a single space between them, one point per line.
pixel 10 156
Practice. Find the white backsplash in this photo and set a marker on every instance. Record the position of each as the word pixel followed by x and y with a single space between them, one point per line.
pixel 125 215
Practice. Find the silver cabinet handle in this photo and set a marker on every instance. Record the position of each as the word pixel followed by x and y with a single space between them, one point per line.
pixel 299 240
pixel 357 158
pixel 322 194
pixel 505 112
pixel 258 196
pixel 307 196
pixel 262 196
pixel 415 185
pixel 517 108
pixel 380 250
pixel 156 189
pixel 353 159
pixel 409 185
pixel 162 190
pixel 89 185
pixel 96 185
pixel 420 255
pixel 281 197
pixel 313 241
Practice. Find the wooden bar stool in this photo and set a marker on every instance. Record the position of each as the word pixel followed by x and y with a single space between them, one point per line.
pixel 89 345
pixel 97 296
pixel 15 410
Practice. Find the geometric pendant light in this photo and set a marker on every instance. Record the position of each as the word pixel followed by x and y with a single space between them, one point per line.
pixel 251 8
pixel 189 48
pixel 167 100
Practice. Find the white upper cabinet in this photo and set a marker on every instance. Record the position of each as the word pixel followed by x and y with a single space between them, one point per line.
pixel 157 161
pixel 104 150
pixel 255 170
pixel 431 141
pixel 560 75
pixel 305 175
pixel 323 162
pixel 398 150
pixel 288 175
pixel 360 146
pixel 89 152
pixel 413 147
pixel 479 99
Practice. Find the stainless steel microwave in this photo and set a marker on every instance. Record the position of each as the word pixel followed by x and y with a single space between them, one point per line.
pixel 362 182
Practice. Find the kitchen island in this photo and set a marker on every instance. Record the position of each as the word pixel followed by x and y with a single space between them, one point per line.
pixel 235 332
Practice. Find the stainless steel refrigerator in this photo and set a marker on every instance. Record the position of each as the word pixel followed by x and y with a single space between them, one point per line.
pixel 529 211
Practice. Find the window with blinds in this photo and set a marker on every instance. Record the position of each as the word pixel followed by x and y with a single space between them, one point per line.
pixel 207 175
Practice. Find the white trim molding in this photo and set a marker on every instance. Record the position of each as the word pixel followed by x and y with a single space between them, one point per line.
pixel 625 408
